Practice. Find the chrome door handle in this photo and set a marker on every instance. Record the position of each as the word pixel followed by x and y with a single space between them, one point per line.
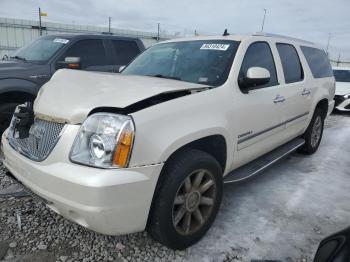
pixel 306 92
pixel 279 99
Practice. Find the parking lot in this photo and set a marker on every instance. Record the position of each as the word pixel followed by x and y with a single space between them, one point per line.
pixel 281 215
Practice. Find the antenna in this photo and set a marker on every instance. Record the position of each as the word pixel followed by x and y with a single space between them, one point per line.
pixel 226 33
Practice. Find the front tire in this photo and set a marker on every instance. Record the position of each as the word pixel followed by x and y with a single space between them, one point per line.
pixel 6 112
pixel 314 132
pixel 188 199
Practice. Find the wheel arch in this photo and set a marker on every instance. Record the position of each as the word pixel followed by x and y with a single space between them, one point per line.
pixel 215 145
pixel 323 105
pixel 16 96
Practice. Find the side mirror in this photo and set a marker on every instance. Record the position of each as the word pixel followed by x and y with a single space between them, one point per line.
pixel 335 247
pixel 121 68
pixel 255 76
pixel 70 62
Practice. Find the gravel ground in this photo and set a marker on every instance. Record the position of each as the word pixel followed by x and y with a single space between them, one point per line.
pixel 280 215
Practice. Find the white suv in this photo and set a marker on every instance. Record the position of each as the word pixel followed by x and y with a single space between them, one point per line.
pixel 152 147
pixel 342 90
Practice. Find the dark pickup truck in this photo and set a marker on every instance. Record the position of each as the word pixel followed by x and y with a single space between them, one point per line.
pixel 27 69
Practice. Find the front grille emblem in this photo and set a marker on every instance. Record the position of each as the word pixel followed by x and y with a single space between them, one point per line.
pixel 38 133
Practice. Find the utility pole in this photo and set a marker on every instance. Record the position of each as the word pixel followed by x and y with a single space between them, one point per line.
pixel 338 61
pixel 40 29
pixel 329 39
pixel 109 24
pixel 158 35
pixel 263 21
pixel 195 32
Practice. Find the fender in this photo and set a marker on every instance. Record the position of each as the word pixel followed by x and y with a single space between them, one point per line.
pixel 18 85
pixel 164 128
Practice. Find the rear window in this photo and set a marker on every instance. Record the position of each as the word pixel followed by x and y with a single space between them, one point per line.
pixel 126 51
pixel 292 69
pixel 318 62
pixel 342 75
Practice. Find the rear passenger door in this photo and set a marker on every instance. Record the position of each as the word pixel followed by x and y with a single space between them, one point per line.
pixel 295 90
pixel 124 51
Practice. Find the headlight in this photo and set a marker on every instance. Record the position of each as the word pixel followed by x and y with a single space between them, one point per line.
pixel 104 140
pixel 347 96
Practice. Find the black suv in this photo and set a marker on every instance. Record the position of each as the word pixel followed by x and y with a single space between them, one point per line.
pixel 27 69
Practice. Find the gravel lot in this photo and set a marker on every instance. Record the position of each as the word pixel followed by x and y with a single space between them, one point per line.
pixel 280 215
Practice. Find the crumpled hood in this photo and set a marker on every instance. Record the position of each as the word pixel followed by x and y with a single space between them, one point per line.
pixel 342 88
pixel 71 95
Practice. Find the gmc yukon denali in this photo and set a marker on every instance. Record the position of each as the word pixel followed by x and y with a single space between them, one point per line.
pixel 151 148
pixel 27 69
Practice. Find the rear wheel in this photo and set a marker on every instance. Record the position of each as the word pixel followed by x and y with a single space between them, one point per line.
pixel 188 200
pixel 314 132
pixel 6 112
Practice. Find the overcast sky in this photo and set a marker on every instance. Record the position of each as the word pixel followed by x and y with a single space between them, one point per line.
pixel 308 19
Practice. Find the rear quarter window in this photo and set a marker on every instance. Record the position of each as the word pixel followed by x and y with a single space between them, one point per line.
pixel 317 61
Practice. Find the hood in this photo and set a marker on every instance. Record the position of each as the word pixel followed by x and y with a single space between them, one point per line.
pixel 71 95
pixel 342 88
pixel 19 69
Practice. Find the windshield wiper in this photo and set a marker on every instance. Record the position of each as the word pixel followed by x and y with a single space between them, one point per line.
pixel 18 58
pixel 166 77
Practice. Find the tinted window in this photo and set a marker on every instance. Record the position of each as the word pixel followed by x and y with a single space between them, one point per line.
pixel 90 51
pixel 318 62
pixel 40 50
pixel 259 55
pixel 342 75
pixel 292 69
pixel 126 51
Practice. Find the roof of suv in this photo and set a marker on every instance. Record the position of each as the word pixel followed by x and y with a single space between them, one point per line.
pixel 245 37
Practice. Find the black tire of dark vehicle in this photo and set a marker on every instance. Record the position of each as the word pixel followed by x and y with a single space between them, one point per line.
pixel 200 199
pixel 6 112
pixel 313 134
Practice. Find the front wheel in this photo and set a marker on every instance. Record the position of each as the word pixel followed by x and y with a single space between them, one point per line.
pixel 6 112
pixel 314 132
pixel 188 200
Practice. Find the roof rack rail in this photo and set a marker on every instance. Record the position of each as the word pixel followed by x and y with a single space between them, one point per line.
pixel 282 36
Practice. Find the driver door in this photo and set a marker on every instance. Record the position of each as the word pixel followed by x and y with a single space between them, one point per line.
pixel 260 110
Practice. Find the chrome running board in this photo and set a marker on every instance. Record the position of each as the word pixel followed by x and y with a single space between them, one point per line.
pixel 260 164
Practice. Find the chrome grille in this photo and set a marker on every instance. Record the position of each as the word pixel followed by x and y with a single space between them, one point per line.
pixel 43 136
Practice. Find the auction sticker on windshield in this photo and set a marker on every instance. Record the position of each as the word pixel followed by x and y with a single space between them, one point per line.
pixel 221 47
pixel 61 40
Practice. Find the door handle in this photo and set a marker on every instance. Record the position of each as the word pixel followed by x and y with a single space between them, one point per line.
pixel 279 99
pixel 306 92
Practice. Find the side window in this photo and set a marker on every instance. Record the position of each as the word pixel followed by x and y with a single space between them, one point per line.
pixel 317 61
pixel 259 55
pixel 125 51
pixel 293 72
pixel 90 51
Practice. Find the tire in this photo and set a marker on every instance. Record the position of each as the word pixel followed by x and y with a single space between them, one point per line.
pixel 313 134
pixel 6 112
pixel 174 197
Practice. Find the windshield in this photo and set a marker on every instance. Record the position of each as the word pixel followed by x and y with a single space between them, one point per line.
pixel 342 75
pixel 204 62
pixel 40 50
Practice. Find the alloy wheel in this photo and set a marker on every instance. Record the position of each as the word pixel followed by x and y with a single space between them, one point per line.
pixel 194 201
pixel 316 132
